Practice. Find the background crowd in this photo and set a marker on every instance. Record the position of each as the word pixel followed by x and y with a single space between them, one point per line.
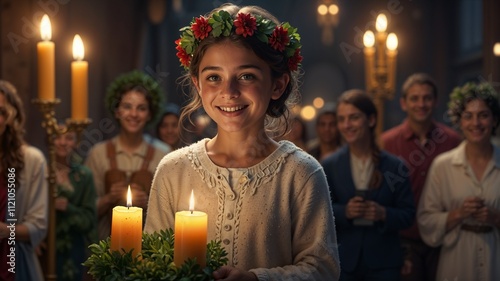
pixel 419 202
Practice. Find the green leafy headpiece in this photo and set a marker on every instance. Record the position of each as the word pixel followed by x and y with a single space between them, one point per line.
pixel 283 38
pixel 460 96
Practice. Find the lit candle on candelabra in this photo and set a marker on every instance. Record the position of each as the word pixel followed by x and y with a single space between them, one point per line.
pixel 79 81
pixel 126 227
pixel 381 37
pixel 46 64
pixel 190 235
pixel 369 51
pixel 392 46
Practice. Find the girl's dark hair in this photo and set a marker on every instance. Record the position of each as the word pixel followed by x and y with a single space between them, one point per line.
pixel 278 114
pixel 12 138
pixel 363 102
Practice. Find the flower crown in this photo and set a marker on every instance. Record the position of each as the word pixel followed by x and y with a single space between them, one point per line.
pixel 283 38
pixel 461 95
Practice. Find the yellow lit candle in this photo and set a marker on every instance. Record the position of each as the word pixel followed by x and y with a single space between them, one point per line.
pixel 126 228
pixel 190 235
pixel 79 81
pixel 369 51
pixel 392 46
pixel 46 64
pixel 381 26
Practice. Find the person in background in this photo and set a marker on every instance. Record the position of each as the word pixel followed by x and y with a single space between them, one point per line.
pixel 23 177
pixel 266 201
pixel 371 200
pixel 127 159
pixel 75 209
pixel 328 136
pixel 297 133
pixel 460 205
pixel 418 140
pixel 168 128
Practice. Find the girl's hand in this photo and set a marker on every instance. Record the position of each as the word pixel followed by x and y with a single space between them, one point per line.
pixel 487 215
pixel 374 211
pixel 228 273
pixel 355 208
pixel 471 205
pixel 61 204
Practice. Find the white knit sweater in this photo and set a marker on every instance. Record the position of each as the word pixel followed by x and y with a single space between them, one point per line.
pixel 274 219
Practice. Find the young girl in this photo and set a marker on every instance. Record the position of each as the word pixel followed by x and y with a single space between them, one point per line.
pixel 267 202
pixel 371 195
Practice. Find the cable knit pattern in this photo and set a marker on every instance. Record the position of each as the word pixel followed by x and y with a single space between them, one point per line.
pixel 274 219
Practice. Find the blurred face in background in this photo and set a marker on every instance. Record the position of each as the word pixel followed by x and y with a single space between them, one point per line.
pixel 64 144
pixel 168 130
pixel 326 128
pixel 353 124
pixel 419 103
pixel 476 122
pixel 133 112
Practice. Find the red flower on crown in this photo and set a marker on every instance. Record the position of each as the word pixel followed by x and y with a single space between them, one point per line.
pixel 293 61
pixel 245 24
pixel 183 56
pixel 201 28
pixel 279 39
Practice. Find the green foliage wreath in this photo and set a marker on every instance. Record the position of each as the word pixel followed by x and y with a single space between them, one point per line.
pixel 156 262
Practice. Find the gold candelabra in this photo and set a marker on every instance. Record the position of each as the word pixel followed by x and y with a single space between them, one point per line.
pixel 49 123
pixel 380 66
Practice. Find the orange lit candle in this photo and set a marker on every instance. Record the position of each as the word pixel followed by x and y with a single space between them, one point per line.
pixel 126 228
pixel 190 235
pixel 79 81
pixel 46 64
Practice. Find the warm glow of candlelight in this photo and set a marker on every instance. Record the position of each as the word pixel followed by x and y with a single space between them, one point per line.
pixel 318 102
pixel 129 197
pixel 191 202
pixel 381 23
pixel 45 28
pixel 369 39
pixel 308 112
pixel 322 9
pixel 333 9
pixel 78 48
pixel 496 49
pixel 392 42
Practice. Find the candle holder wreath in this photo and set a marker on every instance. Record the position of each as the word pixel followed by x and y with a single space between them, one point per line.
pixel 156 261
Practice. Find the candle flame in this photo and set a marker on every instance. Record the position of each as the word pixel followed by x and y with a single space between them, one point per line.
pixel 369 39
pixel 381 23
pixel 191 202
pixel 45 28
pixel 392 42
pixel 129 197
pixel 78 48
